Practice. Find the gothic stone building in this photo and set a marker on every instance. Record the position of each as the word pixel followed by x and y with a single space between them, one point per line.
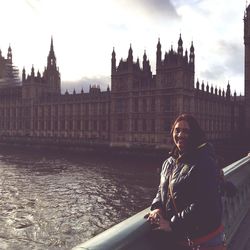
pixel 137 111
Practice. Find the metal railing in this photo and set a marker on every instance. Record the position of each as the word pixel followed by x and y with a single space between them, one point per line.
pixel 236 207
pixel 132 233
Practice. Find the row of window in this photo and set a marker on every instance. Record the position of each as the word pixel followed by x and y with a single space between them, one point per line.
pixel 143 125
pixel 48 110
pixel 212 107
pixel 68 125
pixel 138 125
pixel 147 105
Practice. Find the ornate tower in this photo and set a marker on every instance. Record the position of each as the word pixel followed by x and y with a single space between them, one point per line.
pixel 191 55
pixel 51 73
pixel 158 56
pixel 51 59
pixel 35 85
pixel 247 65
pixel 113 62
pixel 9 55
pixel 180 48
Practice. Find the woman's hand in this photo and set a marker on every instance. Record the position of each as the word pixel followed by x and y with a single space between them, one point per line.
pixel 155 218
pixel 163 224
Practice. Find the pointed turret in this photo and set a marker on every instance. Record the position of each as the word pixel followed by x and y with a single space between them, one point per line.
pixel 235 95
pixel 212 89
pixel 32 72
pixel 207 87
pixel 9 55
pixel 186 55
pixel 228 92
pixel 202 86
pixel 138 61
pixel 180 48
pixel 130 54
pixel 51 73
pixel 144 56
pixel 113 61
pixel 197 84
pixel 23 75
pixel 51 60
pixel 191 55
pixel 38 75
pixel 144 64
pixel 216 90
pixel 158 55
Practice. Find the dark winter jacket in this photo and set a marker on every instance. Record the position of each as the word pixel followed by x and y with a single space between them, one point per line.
pixel 193 179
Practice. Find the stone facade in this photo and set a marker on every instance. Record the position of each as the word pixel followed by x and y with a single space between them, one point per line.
pixel 137 111
pixel 143 105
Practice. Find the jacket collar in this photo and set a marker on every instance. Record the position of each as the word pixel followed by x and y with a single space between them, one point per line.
pixel 188 155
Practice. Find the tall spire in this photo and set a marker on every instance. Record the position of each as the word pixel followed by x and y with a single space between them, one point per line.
pixel 113 62
pixel 51 60
pixel 9 55
pixel 158 55
pixel 180 48
pixel 228 92
pixel 145 63
pixel 23 75
pixel 144 56
pixel 191 55
pixel 130 54
pixel 32 71
pixel 51 44
pixel 51 52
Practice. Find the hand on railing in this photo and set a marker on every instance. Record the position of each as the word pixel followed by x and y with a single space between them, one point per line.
pixel 152 216
pixel 157 221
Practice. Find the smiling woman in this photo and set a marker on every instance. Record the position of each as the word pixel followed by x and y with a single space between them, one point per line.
pixel 181 135
pixel 186 134
pixel 187 209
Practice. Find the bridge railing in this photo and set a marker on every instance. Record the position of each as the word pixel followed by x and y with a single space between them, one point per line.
pixel 236 207
pixel 132 233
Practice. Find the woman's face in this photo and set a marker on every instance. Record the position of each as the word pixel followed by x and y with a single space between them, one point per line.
pixel 181 134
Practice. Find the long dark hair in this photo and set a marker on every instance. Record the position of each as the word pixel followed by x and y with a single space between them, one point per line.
pixel 196 135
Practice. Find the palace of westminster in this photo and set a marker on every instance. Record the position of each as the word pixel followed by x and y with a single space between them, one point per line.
pixel 136 111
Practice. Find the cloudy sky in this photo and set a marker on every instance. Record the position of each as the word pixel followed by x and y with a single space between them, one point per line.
pixel 85 32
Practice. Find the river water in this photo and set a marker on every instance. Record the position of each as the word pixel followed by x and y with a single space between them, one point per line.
pixel 56 200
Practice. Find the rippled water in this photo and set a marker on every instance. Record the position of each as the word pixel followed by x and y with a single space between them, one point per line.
pixel 55 201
